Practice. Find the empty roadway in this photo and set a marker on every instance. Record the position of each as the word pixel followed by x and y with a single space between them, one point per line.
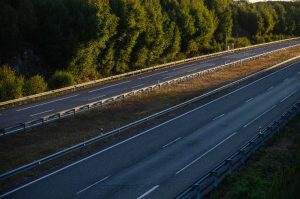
pixel 165 159
pixel 41 108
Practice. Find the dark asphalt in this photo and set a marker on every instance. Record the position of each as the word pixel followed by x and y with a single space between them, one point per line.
pixel 36 110
pixel 164 160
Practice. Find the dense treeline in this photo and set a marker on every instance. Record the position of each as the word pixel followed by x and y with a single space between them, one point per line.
pixel 78 40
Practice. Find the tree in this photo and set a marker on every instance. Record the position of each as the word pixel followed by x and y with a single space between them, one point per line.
pixel 131 24
pixel 96 38
pixel 281 22
pixel 85 63
pixel 9 32
pixel 195 23
pixel 223 11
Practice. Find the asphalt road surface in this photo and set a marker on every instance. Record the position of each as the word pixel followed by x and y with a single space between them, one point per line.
pixel 31 111
pixel 165 159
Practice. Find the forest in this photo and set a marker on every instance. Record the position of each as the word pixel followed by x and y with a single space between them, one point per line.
pixel 48 44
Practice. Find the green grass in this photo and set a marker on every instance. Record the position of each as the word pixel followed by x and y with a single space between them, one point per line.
pixel 274 172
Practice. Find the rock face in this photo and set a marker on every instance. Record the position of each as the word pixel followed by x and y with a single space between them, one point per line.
pixel 26 62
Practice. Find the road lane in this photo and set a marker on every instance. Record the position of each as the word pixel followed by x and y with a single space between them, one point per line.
pixel 140 163
pixel 84 96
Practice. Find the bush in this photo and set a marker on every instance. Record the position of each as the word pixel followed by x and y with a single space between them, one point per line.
pixel 10 84
pixel 61 79
pixel 241 42
pixel 259 40
pixel 34 85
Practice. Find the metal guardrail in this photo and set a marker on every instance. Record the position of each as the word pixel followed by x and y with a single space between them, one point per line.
pixel 95 82
pixel 71 112
pixel 128 126
pixel 212 179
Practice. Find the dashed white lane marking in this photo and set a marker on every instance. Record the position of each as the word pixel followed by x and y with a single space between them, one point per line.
pixel 218 117
pixel 30 107
pixel 144 77
pixel 88 187
pixel 298 73
pixel 138 86
pixel 179 68
pixel 41 113
pixel 193 70
pixel 259 116
pixel 148 192
pixel 168 77
pixel 204 154
pixel 172 142
pixel 270 88
pixel 92 91
pixel 96 97
pixel 288 96
pixel 249 100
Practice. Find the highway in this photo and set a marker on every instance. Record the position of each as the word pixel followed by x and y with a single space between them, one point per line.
pixel 165 159
pixel 31 111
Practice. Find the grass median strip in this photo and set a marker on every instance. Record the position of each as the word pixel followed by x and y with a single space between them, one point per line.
pixel 19 149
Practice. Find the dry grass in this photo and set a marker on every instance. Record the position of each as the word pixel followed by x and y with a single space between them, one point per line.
pixel 23 148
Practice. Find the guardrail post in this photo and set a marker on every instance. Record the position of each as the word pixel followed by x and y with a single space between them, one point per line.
pixel 252 146
pixel 230 166
pixel 242 158
pixel 216 178
pixel 197 189
pixel 277 126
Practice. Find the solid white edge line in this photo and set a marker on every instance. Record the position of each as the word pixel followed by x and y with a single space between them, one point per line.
pixel 218 117
pixel 60 99
pixel 172 142
pixel 95 90
pixel 204 154
pixel 142 133
pixel 259 116
pixel 88 187
pixel 41 113
pixel 148 192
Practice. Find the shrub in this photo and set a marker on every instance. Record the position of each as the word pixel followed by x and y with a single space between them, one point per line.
pixel 61 79
pixel 34 85
pixel 10 84
pixel 241 42
pixel 259 40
